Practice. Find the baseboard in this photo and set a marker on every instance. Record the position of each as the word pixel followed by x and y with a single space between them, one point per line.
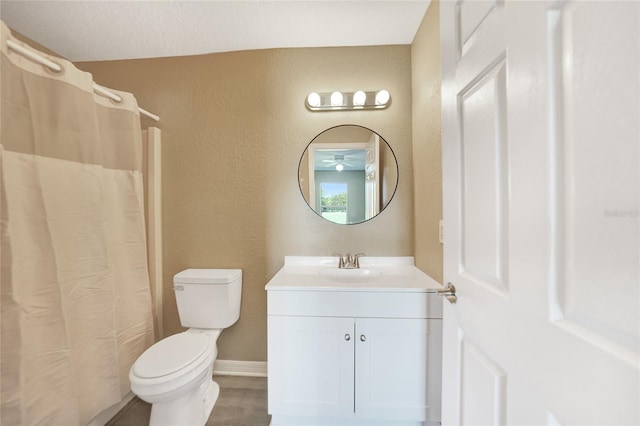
pixel 107 414
pixel 227 367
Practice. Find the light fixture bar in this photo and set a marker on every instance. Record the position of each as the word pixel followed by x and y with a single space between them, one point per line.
pixel 339 101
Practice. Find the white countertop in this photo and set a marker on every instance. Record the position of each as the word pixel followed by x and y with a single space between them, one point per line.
pixel 393 274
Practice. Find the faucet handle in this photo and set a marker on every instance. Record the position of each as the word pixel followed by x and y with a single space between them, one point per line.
pixel 340 260
pixel 356 259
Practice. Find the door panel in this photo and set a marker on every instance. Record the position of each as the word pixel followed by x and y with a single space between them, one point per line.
pixel 540 133
pixel 483 180
pixel 483 387
pixel 595 175
pixel 469 17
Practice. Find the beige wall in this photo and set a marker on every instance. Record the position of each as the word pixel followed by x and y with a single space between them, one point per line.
pixel 427 153
pixel 234 127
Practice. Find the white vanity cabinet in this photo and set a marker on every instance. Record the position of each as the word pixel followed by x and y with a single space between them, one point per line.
pixel 311 366
pixel 345 355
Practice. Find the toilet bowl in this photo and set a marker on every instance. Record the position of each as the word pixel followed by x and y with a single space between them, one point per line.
pixel 175 374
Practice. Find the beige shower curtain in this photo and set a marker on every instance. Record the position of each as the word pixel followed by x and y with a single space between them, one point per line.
pixel 74 287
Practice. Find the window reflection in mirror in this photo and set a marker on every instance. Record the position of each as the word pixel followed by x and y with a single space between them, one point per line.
pixel 333 201
pixel 348 174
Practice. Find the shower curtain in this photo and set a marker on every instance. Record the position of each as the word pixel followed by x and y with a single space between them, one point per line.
pixel 74 289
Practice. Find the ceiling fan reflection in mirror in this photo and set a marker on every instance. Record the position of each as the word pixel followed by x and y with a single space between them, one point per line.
pixel 338 162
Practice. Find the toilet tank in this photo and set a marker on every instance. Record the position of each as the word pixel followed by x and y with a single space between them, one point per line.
pixel 208 298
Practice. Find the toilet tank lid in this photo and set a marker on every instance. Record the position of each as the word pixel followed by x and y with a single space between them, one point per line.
pixel 207 276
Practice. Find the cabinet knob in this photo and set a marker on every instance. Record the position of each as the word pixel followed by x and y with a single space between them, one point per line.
pixel 347 337
pixel 363 338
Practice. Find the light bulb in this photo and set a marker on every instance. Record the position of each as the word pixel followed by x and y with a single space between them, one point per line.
pixel 313 99
pixel 336 99
pixel 359 98
pixel 339 167
pixel 382 97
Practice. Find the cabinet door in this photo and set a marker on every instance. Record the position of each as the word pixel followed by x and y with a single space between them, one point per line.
pixel 391 369
pixel 311 366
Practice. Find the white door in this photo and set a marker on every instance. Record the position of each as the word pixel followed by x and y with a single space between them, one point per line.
pixel 391 366
pixel 372 177
pixel 311 366
pixel 540 138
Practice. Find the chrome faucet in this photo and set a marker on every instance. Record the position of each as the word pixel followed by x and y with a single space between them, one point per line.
pixel 348 261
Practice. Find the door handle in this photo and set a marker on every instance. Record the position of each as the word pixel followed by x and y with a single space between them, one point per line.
pixel 449 292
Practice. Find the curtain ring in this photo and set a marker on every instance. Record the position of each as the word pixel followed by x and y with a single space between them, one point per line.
pixel 116 102
pixel 53 71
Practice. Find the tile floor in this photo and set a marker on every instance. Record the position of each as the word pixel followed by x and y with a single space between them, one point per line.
pixel 242 402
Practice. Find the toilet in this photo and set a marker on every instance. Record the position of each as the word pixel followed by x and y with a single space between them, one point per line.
pixel 175 375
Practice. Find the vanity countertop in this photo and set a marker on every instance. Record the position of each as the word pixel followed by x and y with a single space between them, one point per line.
pixel 387 274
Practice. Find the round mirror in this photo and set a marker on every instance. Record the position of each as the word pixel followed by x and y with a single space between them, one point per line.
pixel 348 174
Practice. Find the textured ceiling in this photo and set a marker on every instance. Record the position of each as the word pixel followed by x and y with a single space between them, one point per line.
pixel 106 30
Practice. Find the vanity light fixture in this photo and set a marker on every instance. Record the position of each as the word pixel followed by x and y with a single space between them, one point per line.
pixel 382 97
pixel 359 98
pixel 337 101
pixel 313 99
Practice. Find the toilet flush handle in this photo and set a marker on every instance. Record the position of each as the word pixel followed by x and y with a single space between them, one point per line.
pixel 178 287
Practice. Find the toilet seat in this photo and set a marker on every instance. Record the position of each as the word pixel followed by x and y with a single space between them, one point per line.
pixel 193 360
pixel 179 352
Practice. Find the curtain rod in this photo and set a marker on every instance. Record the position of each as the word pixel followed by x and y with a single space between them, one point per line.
pixel 57 68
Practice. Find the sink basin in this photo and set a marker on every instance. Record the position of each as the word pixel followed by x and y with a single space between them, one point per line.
pixel 348 274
